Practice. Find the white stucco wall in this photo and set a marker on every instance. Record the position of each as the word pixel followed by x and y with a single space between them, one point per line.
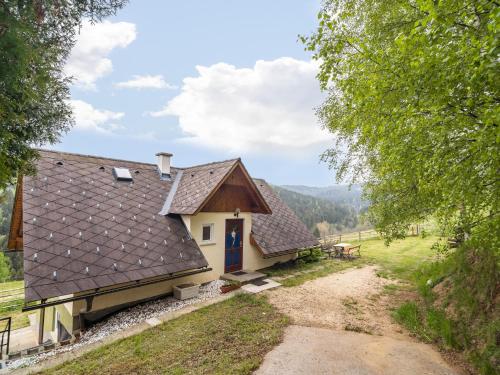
pixel 65 315
pixel 215 251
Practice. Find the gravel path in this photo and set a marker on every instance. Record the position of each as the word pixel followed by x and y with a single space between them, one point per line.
pixel 124 320
pixel 325 310
pixel 313 351
pixel 349 299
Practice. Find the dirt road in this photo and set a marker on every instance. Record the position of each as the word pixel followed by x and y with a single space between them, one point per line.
pixel 342 326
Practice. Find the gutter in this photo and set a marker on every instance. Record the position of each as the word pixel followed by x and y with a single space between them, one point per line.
pixel 280 253
pixel 90 296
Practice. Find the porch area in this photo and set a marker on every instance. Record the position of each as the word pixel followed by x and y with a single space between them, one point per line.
pixel 243 276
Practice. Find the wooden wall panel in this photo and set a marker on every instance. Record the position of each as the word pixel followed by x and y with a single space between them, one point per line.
pixel 15 241
pixel 235 192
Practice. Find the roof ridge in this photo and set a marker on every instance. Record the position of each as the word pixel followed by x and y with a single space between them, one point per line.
pixel 94 156
pixel 260 179
pixel 206 164
pixel 130 161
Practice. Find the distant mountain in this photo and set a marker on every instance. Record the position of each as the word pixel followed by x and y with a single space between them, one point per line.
pixel 312 210
pixel 342 194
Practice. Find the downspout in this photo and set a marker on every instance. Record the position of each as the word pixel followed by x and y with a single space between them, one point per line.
pixel 41 323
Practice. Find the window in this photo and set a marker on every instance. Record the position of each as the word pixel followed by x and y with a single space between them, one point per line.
pixel 207 234
pixel 122 174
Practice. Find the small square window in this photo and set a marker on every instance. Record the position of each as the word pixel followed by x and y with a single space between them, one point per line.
pixel 207 233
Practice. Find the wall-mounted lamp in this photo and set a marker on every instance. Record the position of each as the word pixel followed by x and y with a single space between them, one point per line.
pixel 237 212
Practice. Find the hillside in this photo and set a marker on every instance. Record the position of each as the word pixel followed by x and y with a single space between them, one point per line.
pixel 342 194
pixel 312 210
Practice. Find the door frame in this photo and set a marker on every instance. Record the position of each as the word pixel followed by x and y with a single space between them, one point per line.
pixel 240 265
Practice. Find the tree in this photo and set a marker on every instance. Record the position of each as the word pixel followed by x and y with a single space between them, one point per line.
pixel 316 232
pixel 12 259
pixel 4 268
pixel 413 100
pixel 36 37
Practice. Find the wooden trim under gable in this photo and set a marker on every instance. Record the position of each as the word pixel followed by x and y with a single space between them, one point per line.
pixel 209 196
pixel 255 189
pixel 258 196
pixel 15 242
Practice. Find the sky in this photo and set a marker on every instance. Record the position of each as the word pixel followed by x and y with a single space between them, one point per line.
pixel 205 80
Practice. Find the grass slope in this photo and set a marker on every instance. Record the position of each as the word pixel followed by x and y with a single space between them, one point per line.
pixel 11 302
pixel 230 337
pixel 457 306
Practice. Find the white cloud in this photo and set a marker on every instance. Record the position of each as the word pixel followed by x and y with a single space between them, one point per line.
pixel 267 107
pixel 89 118
pixel 89 57
pixel 146 82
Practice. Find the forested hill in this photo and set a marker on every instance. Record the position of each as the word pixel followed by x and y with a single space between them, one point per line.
pixel 312 210
pixel 342 194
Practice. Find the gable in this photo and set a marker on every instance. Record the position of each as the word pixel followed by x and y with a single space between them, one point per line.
pixel 235 192
pixel 217 187
pixel 196 184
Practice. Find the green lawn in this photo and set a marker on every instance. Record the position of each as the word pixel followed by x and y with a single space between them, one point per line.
pixel 398 260
pixel 11 302
pixel 401 258
pixel 230 337
pixel 9 285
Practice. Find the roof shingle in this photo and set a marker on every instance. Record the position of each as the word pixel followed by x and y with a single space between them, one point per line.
pixel 281 231
pixel 81 223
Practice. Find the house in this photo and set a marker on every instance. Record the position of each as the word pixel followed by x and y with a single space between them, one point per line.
pixel 101 234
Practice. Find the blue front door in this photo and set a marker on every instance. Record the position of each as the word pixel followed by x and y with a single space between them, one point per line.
pixel 234 245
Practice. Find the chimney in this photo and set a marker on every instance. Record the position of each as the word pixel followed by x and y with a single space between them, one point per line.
pixel 164 163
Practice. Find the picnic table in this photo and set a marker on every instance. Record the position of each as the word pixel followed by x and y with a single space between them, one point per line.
pixel 346 250
pixel 328 249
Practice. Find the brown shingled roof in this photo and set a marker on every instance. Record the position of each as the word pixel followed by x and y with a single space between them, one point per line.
pixel 281 232
pixel 94 231
pixel 80 223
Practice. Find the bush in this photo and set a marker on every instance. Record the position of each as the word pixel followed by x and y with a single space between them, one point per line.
pixel 310 255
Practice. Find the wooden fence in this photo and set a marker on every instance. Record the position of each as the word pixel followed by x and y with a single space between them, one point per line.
pixel 352 236
pixel 414 230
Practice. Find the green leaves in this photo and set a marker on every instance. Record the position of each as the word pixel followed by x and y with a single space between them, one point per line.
pixel 413 100
pixel 35 40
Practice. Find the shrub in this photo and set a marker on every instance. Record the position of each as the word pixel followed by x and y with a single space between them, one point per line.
pixel 310 255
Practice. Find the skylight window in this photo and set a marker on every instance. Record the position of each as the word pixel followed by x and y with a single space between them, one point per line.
pixel 122 174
